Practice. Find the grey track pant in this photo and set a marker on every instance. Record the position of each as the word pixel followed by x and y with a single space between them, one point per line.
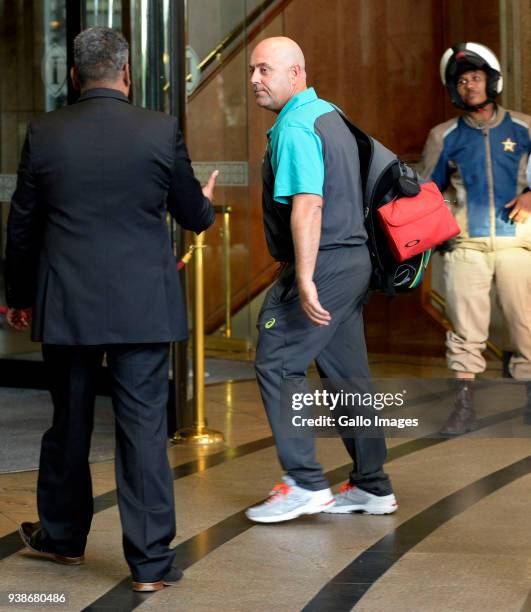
pixel 288 342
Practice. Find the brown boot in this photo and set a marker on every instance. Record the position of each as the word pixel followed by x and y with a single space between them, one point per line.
pixel 463 418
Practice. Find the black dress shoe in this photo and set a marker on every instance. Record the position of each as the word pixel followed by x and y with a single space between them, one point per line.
pixel 35 540
pixel 171 578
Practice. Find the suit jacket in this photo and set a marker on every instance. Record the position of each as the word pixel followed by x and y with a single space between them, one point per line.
pixel 87 244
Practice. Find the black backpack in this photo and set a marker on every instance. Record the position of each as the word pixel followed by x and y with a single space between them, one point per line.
pixel 383 178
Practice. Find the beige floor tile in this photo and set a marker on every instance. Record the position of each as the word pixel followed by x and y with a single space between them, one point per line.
pixel 476 560
pixel 455 598
pixel 7 525
pixel 291 562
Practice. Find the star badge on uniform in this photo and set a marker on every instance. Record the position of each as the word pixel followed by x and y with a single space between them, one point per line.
pixel 508 145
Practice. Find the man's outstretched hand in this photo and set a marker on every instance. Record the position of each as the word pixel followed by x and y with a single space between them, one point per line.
pixel 208 189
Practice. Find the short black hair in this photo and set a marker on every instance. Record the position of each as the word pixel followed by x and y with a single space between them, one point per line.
pixel 99 54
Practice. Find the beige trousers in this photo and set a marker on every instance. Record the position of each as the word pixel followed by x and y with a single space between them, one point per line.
pixel 469 275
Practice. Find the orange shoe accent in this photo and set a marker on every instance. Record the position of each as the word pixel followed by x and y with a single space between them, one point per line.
pixel 346 487
pixel 277 491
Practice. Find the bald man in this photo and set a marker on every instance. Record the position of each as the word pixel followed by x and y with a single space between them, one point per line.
pixel 313 219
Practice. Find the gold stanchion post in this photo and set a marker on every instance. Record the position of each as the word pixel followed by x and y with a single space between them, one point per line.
pixel 226 270
pixel 198 433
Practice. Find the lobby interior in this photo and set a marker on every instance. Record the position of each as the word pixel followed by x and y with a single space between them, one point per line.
pixel 461 538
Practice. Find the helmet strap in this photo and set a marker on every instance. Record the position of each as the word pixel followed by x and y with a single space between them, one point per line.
pixel 478 107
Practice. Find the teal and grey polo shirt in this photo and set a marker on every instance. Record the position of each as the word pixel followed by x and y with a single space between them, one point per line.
pixel 311 150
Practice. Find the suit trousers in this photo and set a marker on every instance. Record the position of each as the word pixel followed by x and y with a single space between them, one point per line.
pixel 139 374
pixel 469 275
pixel 288 342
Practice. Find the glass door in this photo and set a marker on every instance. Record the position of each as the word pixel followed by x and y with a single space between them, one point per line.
pixel 33 80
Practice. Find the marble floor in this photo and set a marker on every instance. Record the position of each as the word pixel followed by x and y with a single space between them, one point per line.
pixel 460 540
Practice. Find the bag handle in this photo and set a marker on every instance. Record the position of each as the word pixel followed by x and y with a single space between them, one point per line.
pixel 407 185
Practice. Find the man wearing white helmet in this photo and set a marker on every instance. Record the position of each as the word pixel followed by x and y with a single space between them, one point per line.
pixel 483 156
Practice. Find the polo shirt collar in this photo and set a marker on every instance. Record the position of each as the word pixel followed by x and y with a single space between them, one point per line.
pixel 305 96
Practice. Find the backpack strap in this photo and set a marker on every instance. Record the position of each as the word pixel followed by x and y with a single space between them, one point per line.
pixel 375 160
pixel 365 150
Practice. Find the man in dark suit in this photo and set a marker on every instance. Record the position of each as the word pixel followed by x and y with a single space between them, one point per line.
pixel 90 261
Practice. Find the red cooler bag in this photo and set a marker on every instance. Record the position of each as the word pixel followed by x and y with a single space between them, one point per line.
pixel 414 225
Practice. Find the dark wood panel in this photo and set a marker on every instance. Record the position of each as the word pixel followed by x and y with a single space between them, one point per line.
pixel 399 325
pixel 376 59
pixel 463 22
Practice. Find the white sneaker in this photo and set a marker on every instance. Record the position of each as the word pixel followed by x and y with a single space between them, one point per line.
pixel 288 501
pixel 351 499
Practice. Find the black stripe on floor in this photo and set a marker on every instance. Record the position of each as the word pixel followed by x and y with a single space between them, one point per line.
pixel 121 599
pixel 107 500
pixel 11 543
pixel 346 589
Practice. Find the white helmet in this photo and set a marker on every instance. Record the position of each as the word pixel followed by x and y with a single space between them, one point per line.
pixel 470 56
